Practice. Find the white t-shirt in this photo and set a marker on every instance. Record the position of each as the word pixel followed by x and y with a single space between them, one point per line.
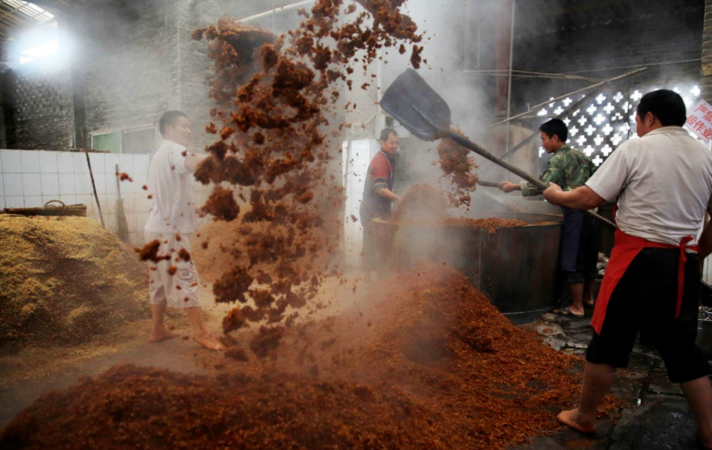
pixel 172 208
pixel 663 182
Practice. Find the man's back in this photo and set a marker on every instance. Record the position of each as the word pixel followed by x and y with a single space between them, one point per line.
pixel 172 207
pixel 665 184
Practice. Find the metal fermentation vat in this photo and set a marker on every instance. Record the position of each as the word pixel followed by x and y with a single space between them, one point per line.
pixel 516 267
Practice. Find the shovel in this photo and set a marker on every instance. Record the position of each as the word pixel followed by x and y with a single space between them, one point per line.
pixel 425 114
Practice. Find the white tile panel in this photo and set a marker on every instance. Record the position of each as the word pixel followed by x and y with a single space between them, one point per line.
pixel 30 161
pixel 128 187
pixel 82 184
pixel 100 183
pixel 50 184
pixel 13 184
pixel 31 184
pixel 33 201
pixel 48 162
pixel 98 162
pixel 110 162
pixel 140 181
pixel 129 204
pixel 80 162
pixel 14 202
pixel 111 183
pixel 49 198
pixel 11 161
pixel 126 164
pixel 66 184
pixel 68 199
pixel 65 162
pixel 110 204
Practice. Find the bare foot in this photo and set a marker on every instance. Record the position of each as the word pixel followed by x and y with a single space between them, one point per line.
pixel 158 336
pixel 208 341
pixel 570 419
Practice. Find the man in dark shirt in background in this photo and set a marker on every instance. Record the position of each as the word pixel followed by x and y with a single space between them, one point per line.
pixel 378 193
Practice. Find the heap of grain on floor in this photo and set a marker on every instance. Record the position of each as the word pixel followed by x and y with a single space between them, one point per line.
pixel 427 363
pixel 65 279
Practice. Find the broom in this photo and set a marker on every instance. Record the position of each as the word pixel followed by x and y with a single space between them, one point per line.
pixel 122 223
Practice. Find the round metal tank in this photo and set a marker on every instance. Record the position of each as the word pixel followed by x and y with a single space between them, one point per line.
pixel 516 267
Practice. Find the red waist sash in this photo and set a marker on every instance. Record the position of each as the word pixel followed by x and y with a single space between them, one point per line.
pixel 624 252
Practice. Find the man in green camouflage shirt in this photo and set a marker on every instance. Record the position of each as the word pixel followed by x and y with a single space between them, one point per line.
pixel 569 169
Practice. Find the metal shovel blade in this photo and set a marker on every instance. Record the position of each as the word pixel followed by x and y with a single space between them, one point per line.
pixel 410 94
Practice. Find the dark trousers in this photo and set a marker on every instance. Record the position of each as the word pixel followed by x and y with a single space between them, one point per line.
pixel 644 301
pixel 579 247
pixel 368 252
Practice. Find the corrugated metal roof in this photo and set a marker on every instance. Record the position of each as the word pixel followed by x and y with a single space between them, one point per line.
pixel 18 15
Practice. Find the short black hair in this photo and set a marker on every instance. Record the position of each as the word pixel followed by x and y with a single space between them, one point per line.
pixel 169 118
pixel 666 105
pixel 555 127
pixel 387 132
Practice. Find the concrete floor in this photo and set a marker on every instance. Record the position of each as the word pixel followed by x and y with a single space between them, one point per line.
pixel 657 417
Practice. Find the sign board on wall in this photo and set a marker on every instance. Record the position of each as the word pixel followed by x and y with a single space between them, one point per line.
pixel 700 121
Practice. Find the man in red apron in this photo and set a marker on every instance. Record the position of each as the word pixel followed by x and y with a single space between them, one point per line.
pixel 663 185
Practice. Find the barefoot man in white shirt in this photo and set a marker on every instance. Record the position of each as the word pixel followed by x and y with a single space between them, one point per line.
pixel 172 221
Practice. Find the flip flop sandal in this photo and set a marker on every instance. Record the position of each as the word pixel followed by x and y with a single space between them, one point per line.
pixel 567 313
pixel 589 305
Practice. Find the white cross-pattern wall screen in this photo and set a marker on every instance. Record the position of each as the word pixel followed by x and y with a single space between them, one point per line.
pixel 607 120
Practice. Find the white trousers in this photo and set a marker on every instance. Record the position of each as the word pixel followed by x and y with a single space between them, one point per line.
pixel 177 290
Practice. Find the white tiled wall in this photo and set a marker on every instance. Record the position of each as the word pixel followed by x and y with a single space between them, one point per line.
pixel 30 178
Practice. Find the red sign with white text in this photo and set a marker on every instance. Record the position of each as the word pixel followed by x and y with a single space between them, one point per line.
pixel 700 120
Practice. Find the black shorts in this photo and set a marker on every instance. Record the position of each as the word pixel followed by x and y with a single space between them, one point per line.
pixel 644 301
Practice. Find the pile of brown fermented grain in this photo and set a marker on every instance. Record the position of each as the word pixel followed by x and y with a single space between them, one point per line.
pixel 143 408
pixel 428 363
pixel 65 280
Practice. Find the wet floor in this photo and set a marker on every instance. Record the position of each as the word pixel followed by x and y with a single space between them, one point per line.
pixel 657 416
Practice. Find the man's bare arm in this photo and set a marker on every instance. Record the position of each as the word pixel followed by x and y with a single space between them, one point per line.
pixel 706 241
pixel 386 193
pixel 193 161
pixel 580 198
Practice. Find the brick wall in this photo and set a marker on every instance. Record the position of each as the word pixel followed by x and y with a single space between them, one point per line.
pixel 3 71
pixel 42 106
pixel 195 66
pixel 124 73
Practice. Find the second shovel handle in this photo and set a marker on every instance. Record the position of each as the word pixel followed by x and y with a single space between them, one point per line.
pixel 515 170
